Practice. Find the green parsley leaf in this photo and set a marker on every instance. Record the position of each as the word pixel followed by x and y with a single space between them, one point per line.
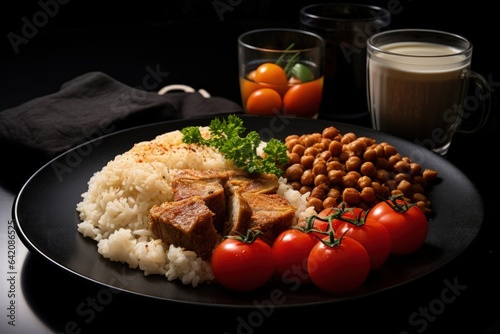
pixel 227 137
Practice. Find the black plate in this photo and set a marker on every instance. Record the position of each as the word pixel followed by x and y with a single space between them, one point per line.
pixel 46 218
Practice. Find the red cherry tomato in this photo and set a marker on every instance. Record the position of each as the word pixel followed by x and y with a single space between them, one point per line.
pixel 407 224
pixel 338 268
pixel 323 219
pixel 330 214
pixel 264 101
pixel 372 235
pixel 290 251
pixel 271 74
pixel 242 266
pixel 303 99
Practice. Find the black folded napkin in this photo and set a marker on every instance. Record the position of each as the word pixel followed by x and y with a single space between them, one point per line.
pixel 88 104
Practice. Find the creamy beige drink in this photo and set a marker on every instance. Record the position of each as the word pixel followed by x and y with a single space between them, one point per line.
pixel 415 89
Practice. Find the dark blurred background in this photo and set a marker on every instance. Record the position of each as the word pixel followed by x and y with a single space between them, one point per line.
pixel 46 42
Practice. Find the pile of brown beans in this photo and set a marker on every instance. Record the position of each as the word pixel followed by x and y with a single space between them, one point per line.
pixel 340 168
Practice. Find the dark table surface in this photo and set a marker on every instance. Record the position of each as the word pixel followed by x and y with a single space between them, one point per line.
pixel 196 45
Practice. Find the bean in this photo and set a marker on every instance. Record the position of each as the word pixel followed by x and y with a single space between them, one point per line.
pixel 319 169
pixel 312 151
pixel 321 179
pixel 370 154
pixel 350 196
pixel 419 197
pixel 320 146
pixel 357 146
pixel 326 142
pixel 311 139
pixel 316 203
pixel 336 176
pixel 364 181
pixel 349 181
pixel 415 169
pixel 393 159
pixel 319 160
pixel 294 172
pixel 318 192
pixel 368 169
pixel 333 192
pixel 368 141
pixel 348 138
pixel 330 132
pixel 330 202
pixel 335 148
pixel 399 177
pixel 368 195
pixel 353 163
pixel 307 178
pixel 389 150
pixel 383 163
pixel 293 158
pixel 354 174
pixel 429 175
pixel 382 175
pixel 307 161
pixel 405 187
pixel 343 156
pixel 326 155
pixel 291 142
pixel 299 149
pixel 334 167
pixel 402 166
pixel 290 137
pixel 417 188
pixel 305 189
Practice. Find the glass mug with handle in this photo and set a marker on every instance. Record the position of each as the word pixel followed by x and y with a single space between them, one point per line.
pixel 418 86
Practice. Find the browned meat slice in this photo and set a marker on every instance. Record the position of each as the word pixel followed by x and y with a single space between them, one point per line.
pixel 271 214
pixel 245 183
pixel 209 185
pixel 186 223
pixel 239 214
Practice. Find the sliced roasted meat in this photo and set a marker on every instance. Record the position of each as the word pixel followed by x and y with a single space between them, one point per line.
pixel 239 214
pixel 244 183
pixel 186 223
pixel 271 214
pixel 209 185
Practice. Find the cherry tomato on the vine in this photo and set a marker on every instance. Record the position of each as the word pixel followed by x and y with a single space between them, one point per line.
pixel 407 224
pixel 372 235
pixel 242 265
pixel 290 251
pixel 338 267
pixel 332 215
pixel 323 219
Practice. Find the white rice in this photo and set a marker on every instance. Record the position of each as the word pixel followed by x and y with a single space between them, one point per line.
pixel 114 210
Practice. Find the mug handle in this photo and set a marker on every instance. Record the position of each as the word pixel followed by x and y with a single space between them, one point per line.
pixel 482 94
pixel 184 88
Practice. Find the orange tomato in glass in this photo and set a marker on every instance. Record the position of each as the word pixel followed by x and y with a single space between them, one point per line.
pixel 303 99
pixel 264 101
pixel 271 74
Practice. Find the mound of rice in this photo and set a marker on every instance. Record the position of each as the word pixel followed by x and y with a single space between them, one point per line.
pixel 114 210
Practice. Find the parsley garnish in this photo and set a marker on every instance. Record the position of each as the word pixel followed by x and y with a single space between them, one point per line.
pixel 227 137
